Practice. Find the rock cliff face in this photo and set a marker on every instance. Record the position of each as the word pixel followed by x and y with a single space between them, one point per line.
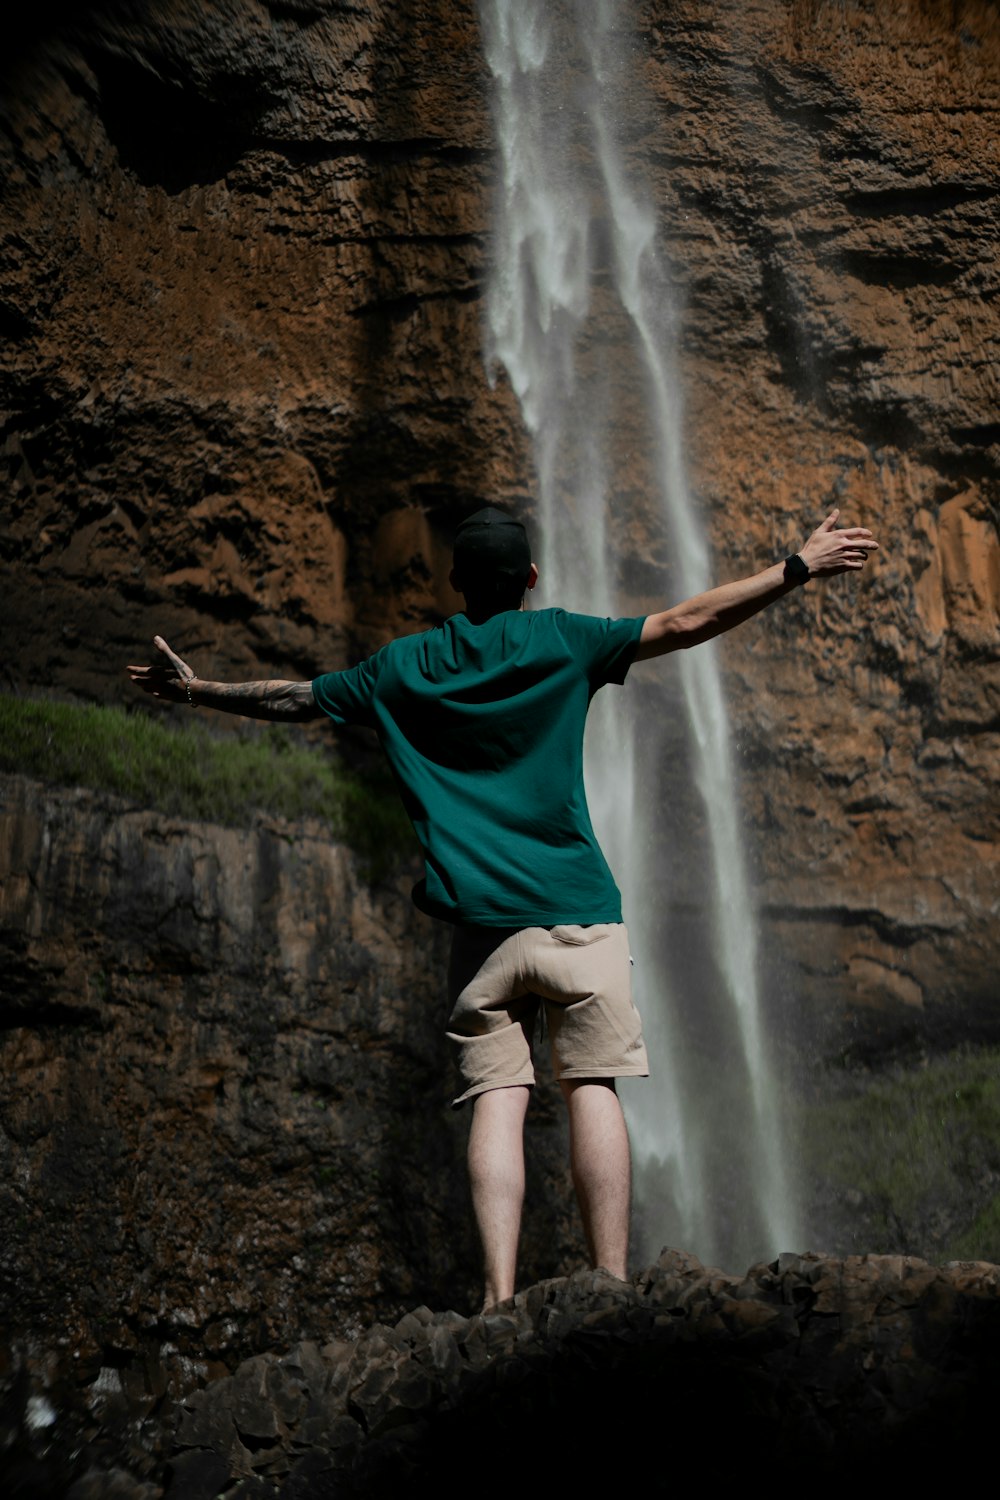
pixel 244 398
pixel 243 254
pixel 215 1045
pixel 243 251
pixel 830 176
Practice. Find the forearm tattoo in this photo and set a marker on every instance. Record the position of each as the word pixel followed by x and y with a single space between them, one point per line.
pixel 259 700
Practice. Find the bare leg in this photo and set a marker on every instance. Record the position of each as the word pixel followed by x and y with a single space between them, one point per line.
pixel 602 1169
pixel 496 1172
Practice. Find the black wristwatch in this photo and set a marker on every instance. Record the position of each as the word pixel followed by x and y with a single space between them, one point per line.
pixel 796 571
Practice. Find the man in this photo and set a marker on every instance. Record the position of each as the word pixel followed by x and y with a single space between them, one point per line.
pixel 482 721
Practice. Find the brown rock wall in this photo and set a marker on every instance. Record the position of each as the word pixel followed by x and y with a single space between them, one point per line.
pixel 242 275
pixel 242 270
pixel 828 181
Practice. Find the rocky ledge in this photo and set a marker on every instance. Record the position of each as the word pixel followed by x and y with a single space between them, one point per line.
pixel 881 1365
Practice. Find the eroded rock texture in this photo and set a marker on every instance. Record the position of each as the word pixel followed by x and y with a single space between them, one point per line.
pixel 830 177
pixel 243 252
pixel 879 1368
pixel 226 1112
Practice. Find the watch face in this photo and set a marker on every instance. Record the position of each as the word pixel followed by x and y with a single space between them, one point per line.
pixel 796 571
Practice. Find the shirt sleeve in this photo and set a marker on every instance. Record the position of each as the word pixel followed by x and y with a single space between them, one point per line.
pixel 605 649
pixel 349 697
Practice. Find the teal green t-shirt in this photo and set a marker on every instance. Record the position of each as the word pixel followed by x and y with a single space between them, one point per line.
pixel 483 727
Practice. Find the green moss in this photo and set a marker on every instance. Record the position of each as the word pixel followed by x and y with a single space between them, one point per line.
pixel 981 1241
pixel 194 774
pixel 922 1147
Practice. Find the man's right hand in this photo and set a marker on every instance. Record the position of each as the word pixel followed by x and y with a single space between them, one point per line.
pixel 170 679
pixel 707 615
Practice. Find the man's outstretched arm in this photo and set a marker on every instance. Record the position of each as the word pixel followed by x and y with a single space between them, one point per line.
pixel 173 680
pixel 828 551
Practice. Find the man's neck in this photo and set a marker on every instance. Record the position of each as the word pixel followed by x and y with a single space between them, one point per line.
pixel 480 616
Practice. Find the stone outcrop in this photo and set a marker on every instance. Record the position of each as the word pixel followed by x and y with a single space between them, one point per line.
pixel 216 1043
pixel 876 1366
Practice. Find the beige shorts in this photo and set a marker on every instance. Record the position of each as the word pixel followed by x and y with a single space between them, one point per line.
pixel 583 978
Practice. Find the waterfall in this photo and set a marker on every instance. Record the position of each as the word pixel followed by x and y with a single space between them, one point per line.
pixel 579 315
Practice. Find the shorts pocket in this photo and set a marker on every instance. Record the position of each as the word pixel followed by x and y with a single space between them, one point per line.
pixel 581 937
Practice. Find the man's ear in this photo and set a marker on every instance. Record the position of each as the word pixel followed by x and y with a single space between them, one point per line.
pixel 532 577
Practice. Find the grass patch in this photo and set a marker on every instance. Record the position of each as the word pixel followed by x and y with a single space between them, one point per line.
pixel 981 1241
pixel 921 1147
pixel 190 773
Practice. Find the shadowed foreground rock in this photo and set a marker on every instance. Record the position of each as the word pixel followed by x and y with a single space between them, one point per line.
pixel 861 1365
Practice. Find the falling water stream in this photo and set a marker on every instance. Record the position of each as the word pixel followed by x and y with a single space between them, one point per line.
pixel 575 257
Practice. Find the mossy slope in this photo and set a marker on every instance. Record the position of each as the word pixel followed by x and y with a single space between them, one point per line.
pixel 189 772
pixel 913 1156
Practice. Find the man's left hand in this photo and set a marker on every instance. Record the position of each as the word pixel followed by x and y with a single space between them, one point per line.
pixel 169 679
pixel 830 550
